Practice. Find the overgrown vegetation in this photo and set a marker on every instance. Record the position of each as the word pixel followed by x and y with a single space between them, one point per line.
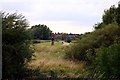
pixel 94 54
pixel 107 61
pixel 51 62
pixel 100 47
pixel 16 50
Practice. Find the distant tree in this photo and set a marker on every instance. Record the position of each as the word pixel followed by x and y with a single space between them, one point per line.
pixel 64 36
pixel 41 32
pixel 16 50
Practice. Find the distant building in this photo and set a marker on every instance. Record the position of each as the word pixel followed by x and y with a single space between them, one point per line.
pixel 69 36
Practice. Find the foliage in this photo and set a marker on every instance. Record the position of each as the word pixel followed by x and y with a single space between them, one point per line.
pixel 100 48
pixel 64 36
pixel 41 32
pixel 109 16
pixel 68 40
pixel 107 61
pixel 89 42
pixel 99 25
pixel 16 50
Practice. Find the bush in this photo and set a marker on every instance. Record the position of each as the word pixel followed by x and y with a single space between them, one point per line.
pixel 16 46
pixel 68 40
pixel 85 48
pixel 107 61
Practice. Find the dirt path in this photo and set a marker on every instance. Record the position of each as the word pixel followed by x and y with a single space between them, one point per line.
pixel 65 43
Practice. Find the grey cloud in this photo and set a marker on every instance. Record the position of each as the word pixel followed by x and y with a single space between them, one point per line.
pixel 16 6
pixel 77 12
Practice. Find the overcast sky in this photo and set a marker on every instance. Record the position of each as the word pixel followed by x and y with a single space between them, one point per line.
pixel 75 16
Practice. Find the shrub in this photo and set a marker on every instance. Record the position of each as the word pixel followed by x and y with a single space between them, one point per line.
pixel 68 40
pixel 16 46
pixel 85 48
pixel 107 61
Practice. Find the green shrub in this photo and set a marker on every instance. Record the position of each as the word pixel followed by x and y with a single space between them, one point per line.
pixel 68 40
pixel 16 46
pixel 85 48
pixel 107 61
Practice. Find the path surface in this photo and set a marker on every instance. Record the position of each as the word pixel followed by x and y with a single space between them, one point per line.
pixel 66 44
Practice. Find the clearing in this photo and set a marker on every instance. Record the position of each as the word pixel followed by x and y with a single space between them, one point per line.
pixel 50 60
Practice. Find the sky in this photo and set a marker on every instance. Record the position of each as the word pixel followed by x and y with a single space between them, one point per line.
pixel 68 16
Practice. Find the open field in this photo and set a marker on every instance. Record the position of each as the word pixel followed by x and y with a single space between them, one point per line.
pixel 50 60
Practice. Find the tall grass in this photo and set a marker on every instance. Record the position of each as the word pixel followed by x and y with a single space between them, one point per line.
pixel 51 61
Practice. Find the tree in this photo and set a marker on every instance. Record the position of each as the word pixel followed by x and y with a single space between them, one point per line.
pixel 112 15
pixel 41 32
pixel 16 50
pixel 109 15
pixel 99 25
pixel 118 14
pixel 64 36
